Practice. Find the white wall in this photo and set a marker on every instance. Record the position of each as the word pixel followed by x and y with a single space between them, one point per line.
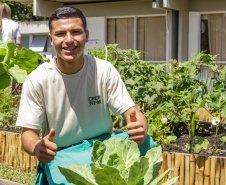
pixel 97 32
pixel 194 33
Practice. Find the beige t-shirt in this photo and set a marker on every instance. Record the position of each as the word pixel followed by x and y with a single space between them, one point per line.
pixel 10 30
pixel 76 105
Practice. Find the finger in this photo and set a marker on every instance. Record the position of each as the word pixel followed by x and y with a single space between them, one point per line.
pixel 51 134
pixel 134 125
pixel 46 151
pixel 49 145
pixel 133 115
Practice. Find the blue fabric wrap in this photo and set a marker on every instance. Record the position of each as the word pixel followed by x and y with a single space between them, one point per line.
pixel 48 173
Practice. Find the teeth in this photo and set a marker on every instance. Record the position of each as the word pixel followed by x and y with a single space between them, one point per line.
pixel 70 49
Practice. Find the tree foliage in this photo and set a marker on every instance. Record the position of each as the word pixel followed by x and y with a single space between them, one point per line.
pixel 22 11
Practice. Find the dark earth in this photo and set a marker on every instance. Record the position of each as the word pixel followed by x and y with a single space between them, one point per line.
pixel 206 131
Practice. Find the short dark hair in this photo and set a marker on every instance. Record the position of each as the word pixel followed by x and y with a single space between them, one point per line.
pixel 66 12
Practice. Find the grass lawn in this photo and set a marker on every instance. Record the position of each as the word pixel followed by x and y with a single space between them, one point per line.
pixel 16 175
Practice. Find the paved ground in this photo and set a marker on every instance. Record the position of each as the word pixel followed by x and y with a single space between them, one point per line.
pixel 6 182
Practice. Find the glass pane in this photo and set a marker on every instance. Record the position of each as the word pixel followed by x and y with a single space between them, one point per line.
pixel 121 31
pixel 213 35
pixel 151 38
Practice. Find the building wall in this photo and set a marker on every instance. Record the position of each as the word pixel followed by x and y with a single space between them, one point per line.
pixel 207 5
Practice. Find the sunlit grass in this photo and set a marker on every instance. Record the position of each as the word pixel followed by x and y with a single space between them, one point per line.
pixel 16 175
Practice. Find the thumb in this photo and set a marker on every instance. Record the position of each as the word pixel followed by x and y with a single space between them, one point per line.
pixel 51 134
pixel 133 115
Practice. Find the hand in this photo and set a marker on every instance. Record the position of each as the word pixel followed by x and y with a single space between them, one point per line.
pixel 136 129
pixel 45 150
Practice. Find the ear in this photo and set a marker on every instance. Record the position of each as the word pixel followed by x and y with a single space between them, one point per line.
pixel 87 35
pixel 51 39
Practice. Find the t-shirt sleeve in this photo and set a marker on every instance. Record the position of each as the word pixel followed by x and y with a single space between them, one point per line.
pixel 18 34
pixel 119 99
pixel 31 112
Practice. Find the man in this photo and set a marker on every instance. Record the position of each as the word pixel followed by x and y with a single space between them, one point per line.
pixel 70 97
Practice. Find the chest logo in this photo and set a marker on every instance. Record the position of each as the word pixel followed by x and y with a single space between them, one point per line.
pixel 94 100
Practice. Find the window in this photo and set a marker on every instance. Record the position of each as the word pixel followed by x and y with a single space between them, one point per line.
pixel 121 31
pixel 151 37
pixel 213 36
pixel 149 32
pixel 25 41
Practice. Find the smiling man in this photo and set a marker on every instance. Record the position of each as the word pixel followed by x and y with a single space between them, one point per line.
pixel 69 99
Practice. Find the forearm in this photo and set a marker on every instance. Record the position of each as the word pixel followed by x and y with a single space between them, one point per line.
pixel 18 43
pixel 30 139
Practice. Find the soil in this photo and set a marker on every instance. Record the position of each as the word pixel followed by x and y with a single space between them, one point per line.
pixel 11 129
pixel 206 131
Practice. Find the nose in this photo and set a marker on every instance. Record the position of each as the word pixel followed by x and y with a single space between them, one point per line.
pixel 68 37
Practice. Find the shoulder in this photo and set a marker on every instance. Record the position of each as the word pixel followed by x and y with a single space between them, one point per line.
pixel 40 73
pixel 99 63
pixel 10 23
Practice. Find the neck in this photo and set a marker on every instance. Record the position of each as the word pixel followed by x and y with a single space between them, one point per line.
pixel 69 67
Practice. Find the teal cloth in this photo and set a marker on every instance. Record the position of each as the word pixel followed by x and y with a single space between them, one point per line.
pixel 48 173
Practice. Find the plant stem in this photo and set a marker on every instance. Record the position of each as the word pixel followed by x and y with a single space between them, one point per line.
pixel 215 141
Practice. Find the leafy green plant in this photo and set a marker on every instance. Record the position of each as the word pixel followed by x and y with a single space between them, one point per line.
pixel 160 131
pixel 118 162
pixel 16 63
pixel 177 93
pixel 8 106
pixel 216 102
pixel 22 11
pixel 203 144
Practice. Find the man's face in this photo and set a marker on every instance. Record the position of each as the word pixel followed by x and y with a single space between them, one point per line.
pixel 68 38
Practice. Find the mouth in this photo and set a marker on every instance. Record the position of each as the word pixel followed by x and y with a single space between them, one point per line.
pixel 71 48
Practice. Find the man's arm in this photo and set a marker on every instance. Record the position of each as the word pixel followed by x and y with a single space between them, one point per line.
pixel 137 125
pixel 44 149
pixel 18 42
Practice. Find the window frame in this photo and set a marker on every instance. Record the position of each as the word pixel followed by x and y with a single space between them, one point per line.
pixel 135 31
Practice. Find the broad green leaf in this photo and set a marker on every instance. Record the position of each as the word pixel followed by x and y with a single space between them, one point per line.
pixel 128 151
pixel 154 156
pixel 197 148
pixel 223 138
pixel 1 117
pixel 223 111
pixel 160 178
pixel 27 59
pixel 108 176
pixel 5 81
pixel 137 171
pixel 130 81
pixel 110 145
pixel 117 162
pixel 79 175
pixel 171 181
pixel 97 154
pixel 171 138
pixel 19 74
pixel 3 68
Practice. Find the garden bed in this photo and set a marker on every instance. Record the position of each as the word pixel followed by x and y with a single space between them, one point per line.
pixel 206 131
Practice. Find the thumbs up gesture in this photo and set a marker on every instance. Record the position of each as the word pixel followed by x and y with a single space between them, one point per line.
pixel 45 150
pixel 136 125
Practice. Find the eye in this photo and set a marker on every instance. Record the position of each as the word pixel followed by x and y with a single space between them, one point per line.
pixel 59 34
pixel 76 32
